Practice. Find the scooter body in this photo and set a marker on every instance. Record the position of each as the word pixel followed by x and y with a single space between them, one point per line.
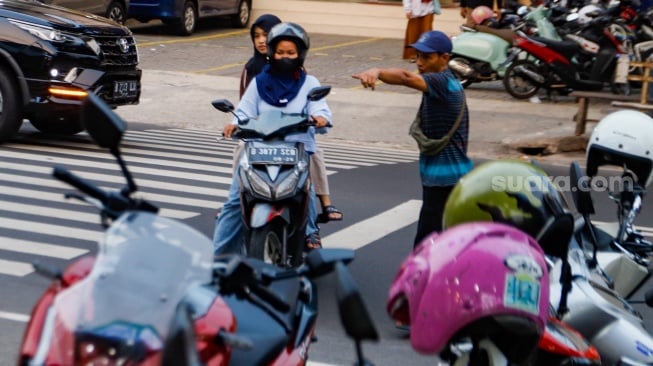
pixel 486 49
pixel 273 175
pixel 603 317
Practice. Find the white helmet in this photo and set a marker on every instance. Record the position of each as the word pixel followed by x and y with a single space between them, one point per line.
pixel 623 138
pixel 588 12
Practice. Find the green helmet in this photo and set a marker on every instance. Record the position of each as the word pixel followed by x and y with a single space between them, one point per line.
pixel 516 193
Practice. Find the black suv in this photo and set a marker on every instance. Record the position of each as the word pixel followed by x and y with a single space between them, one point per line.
pixel 51 58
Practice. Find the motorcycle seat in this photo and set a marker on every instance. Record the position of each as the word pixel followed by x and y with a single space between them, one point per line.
pixel 566 48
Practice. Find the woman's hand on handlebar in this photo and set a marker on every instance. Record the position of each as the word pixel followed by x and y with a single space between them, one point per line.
pixel 228 130
pixel 320 121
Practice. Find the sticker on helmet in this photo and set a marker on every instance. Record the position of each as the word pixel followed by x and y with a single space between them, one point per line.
pixel 522 292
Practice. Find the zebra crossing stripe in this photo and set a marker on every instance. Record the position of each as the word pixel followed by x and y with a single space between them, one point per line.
pixel 58 197
pixel 174 165
pixel 374 228
pixel 14 316
pixel 32 247
pixel 51 182
pixel 50 229
pixel 207 157
pixel 18 269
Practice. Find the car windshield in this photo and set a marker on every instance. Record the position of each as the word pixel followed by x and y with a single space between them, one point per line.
pixel 143 269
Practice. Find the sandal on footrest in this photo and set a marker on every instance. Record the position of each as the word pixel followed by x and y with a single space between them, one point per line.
pixel 329 213
pixel 313 241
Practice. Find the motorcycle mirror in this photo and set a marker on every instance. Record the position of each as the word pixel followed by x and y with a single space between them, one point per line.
pixel 224 105
pixel 319 92
pixel 104 126
pixel 580 190
pixel 353 313
pixel 322 261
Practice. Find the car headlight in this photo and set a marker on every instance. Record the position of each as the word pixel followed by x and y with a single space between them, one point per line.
pixel 39 31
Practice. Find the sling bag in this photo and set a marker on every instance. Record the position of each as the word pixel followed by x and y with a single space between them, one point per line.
pixel 428 146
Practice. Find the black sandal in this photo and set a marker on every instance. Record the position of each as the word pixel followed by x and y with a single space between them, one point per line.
pixel 313 241
pixel 327 211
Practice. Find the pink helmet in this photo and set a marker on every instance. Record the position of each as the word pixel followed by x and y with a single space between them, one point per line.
pixel 481 14
pixel 475 279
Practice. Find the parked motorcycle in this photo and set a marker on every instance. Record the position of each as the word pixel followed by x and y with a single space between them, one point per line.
pixel 522 195
pixel 153 294
pixel 619 140
pixel 274 181
pixel 588 60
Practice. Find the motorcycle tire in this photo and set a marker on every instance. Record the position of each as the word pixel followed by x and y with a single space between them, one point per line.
pixel 517 85
pixel 265 244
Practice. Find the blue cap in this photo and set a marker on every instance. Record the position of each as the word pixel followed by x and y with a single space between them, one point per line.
pixel 433 42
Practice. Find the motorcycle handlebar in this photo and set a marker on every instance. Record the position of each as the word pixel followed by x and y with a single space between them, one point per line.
pixel 66 176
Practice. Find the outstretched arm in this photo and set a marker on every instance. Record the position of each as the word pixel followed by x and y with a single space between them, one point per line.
pixel 394 76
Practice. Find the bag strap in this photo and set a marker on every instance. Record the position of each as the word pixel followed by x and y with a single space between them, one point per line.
pixel 456 124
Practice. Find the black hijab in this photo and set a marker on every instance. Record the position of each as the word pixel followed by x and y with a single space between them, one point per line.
pixel 255 64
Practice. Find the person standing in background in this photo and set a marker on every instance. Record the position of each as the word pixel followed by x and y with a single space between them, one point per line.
pixel 420 20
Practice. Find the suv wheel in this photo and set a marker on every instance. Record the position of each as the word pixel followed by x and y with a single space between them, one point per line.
pixel 116 12
pixel 69 124
pixel 241 19
pixel 186 25
pixel 10 115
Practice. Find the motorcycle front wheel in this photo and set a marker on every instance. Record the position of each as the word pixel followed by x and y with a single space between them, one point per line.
pixel 518 83
pixel 265 244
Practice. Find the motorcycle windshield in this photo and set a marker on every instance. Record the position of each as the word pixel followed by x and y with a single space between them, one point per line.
pixel 271 122
pixel 144 267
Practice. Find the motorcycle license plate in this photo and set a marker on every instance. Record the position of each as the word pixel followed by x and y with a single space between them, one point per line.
pixel 522 292
pixel 125 89
pixel 272 154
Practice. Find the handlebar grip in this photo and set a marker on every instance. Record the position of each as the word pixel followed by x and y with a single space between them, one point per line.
pixel 66 176
pixel 270 297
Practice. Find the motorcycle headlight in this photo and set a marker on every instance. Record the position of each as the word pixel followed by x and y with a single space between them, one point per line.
pixel 258 184
pixel 288 185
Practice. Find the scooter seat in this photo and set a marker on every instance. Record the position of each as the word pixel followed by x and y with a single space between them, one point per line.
pixel 566 48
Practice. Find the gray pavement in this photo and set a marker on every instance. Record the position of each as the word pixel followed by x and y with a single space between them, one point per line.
pixel 379 117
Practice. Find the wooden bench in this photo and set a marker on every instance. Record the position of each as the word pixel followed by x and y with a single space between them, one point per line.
pixel 639 102
pixel 583 98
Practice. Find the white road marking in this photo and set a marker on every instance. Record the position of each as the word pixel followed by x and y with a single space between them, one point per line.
pixel 374 228
pixel 14 316
pixel 12 268
pixel 32 247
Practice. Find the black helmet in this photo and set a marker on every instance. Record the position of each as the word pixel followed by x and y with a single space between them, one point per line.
pixel 291 32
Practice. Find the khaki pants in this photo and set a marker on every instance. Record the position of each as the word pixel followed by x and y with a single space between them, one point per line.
pixel 317 169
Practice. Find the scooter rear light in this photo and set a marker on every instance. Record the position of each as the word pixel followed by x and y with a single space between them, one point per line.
pixel 559 338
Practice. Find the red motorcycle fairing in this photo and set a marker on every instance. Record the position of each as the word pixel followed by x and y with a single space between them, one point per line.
pixel 541 50
pixel 78 270
pixel 219 317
